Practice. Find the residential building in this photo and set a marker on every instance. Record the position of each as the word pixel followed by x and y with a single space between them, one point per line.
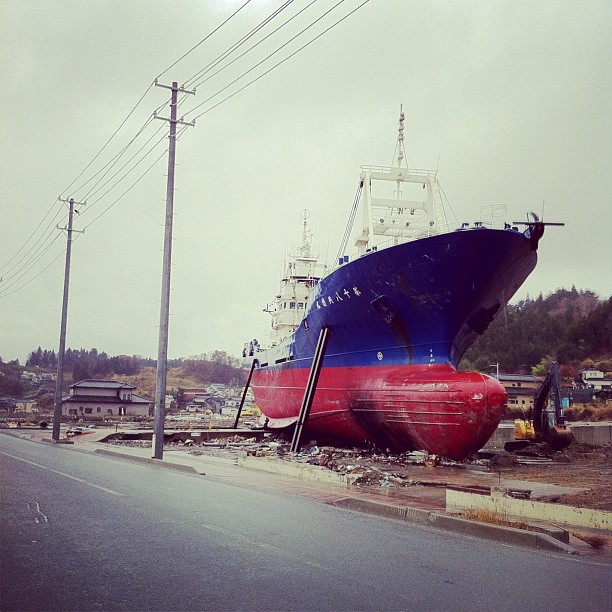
pixel 23 405
pixel 595 379
pixel 521 389
pixel 102 399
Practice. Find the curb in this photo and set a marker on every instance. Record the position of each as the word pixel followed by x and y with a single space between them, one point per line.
pixel 313 473
pixel 150 461
pixel 497 533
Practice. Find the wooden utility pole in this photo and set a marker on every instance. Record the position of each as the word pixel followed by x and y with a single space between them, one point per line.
pixel 59 383
pixel 162 351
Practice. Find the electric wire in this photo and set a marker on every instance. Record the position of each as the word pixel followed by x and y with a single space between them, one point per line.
pixel 157 160
pixel 111 163
pixel 180 59
pixel 26 261
pixel 4 295
pixel 121 168
pixel 238 44
pixel 269 56
pixel 142 97
pixel 26 258
pixel 198 84
pixel 29 238
pixel 103 212
pixel 27 266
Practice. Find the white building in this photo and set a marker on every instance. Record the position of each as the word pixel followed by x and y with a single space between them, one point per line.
pixel 595 379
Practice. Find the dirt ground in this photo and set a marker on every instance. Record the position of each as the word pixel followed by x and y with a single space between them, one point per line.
pixel 578 466
pixel 588 467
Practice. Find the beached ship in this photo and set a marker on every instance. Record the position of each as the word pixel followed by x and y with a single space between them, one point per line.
pixel 399 315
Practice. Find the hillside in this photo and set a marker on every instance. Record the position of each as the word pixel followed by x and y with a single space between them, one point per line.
pixel 568 326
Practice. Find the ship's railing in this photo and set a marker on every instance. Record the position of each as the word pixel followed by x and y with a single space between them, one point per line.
pixel 426 232
pixel 390 168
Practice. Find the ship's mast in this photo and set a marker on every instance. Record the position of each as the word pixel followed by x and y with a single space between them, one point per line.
pixel 304 248
pixel 400 138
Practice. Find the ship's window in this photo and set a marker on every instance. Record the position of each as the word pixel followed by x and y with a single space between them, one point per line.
pixel 292 305
pixel 300 305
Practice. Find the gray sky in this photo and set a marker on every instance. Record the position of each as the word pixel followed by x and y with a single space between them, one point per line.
pixel 510 99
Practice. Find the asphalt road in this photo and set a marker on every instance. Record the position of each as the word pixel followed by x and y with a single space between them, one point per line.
pixel 88 532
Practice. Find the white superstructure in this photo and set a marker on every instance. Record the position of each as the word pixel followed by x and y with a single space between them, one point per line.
pixel 399 203
pixel 301 274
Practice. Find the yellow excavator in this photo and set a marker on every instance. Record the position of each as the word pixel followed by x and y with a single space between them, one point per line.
pixel 548 424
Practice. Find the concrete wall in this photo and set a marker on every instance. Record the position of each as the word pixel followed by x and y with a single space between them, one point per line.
pixel 457 501
pixel 595 434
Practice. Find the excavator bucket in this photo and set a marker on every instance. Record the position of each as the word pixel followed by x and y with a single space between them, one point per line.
pixel 559 438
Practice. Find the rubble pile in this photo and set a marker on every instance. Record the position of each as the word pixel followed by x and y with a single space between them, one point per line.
pixel 130 443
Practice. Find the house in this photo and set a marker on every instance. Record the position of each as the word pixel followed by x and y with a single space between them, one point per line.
pixel 595 379
pixel 204 402
pixel 23 405
pixel 8 404
pixel 521 389
pixel 101 399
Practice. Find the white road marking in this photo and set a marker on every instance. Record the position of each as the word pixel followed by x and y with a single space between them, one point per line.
pixel 81 480
pixel 39 516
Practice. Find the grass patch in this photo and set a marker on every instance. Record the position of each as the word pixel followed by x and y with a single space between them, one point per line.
pixel 588 412
pixel 593 540
pixel 484 515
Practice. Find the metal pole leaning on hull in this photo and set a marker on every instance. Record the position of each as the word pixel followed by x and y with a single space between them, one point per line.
pixel 246 388
pixel 311 387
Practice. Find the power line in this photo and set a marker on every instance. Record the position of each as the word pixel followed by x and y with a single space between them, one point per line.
pixel 67 190
pixel 202 41
pixel 4 295
pixel 237 45
pixel 28 266
pixel 157 160
pixel 278 63
pixel 38 249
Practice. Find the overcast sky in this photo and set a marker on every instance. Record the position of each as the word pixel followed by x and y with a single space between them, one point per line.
pixel 510 100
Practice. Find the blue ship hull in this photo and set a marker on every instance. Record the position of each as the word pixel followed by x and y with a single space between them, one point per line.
pixel 399 320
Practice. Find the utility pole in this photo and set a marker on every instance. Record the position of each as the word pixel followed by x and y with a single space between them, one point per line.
pixel 162 351
pixel 59 383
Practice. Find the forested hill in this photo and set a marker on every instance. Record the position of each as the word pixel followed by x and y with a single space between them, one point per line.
pixel 217 367
pixel 568 326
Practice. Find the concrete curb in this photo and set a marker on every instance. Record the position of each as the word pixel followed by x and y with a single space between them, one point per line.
pixel 508 535
pixel 306 471
pixel 181 467
pixel 497 533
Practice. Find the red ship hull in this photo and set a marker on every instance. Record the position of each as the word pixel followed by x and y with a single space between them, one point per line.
pixel 397 407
